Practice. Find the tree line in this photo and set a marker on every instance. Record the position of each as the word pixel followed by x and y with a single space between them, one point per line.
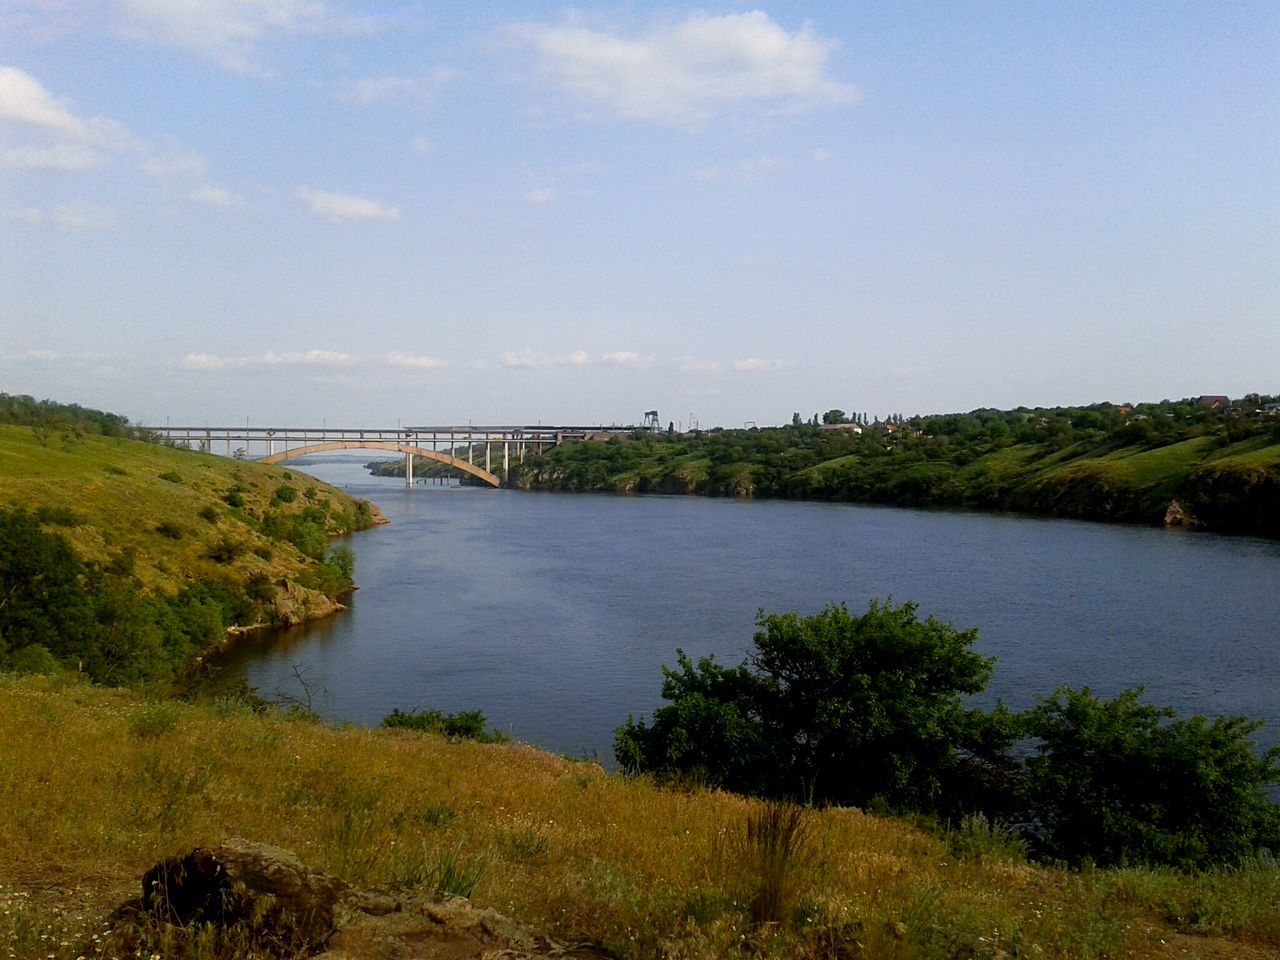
pixel 1102 462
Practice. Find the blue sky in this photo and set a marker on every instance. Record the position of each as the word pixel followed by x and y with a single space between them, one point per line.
pixel 289 210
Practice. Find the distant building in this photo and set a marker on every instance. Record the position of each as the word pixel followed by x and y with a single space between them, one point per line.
pixel 846 427
pixel 1213 401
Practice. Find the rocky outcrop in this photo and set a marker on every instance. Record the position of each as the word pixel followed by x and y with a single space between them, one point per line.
pixel 1178 516
pixel 264 898
pixel 296 604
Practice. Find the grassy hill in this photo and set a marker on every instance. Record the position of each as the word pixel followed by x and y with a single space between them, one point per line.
pixel 170 506
pixel 98 784
pixel 167 525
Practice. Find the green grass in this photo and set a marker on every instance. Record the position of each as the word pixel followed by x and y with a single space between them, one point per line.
pixel 1008 463
pixel 1254 453
pixel 1159 466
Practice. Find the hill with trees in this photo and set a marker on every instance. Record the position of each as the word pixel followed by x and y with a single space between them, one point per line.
pixel 1205 462
pixel 127 559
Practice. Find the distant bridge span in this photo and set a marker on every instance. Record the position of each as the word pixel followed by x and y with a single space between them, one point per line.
pixel 441 444
pixel 408 450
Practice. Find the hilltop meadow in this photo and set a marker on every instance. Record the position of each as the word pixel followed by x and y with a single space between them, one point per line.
pixel 124 561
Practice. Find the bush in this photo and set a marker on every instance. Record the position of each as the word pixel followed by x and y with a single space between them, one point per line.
pixel 465 725
pixel 1120 781
pixel 58 516
pixel 831 708
pixel 168 529
pixel 226 550
pixel 334 575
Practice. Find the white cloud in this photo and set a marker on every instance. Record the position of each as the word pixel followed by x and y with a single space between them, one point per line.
pixel 46 356
pixel 690 365
pixel 688 72
pixel 310 358
pixel 345 208
pixel 59 157
pixel 751 171
pixel 821 156
pixel 71 144
pixel 541 196
pixel 626 358
pixel 204 361
pixel 539 358
pixel 25 101
pixel 216 197
pixel 415 361
pixel 226 31
pixel 370 90
pixel 421 145
pixel 755 363
pixel 175 166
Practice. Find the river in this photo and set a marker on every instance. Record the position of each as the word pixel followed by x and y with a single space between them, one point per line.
pixel 553 613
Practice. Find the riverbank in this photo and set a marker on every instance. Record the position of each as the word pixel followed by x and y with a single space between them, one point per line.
pixel 1177 464
pixel 100 784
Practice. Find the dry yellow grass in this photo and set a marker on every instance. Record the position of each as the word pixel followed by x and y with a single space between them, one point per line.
pixel 96 785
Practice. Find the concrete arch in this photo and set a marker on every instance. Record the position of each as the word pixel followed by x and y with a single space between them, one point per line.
pixel 478 472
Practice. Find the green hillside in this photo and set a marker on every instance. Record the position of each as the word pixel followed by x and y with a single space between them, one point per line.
pixel 1186 463
pixel 168 541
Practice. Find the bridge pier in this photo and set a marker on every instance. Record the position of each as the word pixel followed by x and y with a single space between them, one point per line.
pixel 408 469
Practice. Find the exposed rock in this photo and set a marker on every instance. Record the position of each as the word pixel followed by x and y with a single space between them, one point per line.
pixel 1179 516
pixel 254 893
pixel 295 604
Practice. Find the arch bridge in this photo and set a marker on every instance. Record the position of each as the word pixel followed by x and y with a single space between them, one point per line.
pixel 460 447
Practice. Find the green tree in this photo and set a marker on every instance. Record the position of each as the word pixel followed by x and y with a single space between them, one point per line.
pixel 833 416
pixel 43 600
pixel 1116 781
pixel 831 708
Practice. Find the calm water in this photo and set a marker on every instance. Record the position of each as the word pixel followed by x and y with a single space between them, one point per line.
pixel 553 613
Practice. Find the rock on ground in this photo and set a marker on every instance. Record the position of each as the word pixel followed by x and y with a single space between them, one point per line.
pixel 254 892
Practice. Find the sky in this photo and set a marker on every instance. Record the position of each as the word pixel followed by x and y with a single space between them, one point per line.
pixel 286 211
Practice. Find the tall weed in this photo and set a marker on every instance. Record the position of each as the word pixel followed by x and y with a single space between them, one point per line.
pixel 447 870
pixel 773 851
